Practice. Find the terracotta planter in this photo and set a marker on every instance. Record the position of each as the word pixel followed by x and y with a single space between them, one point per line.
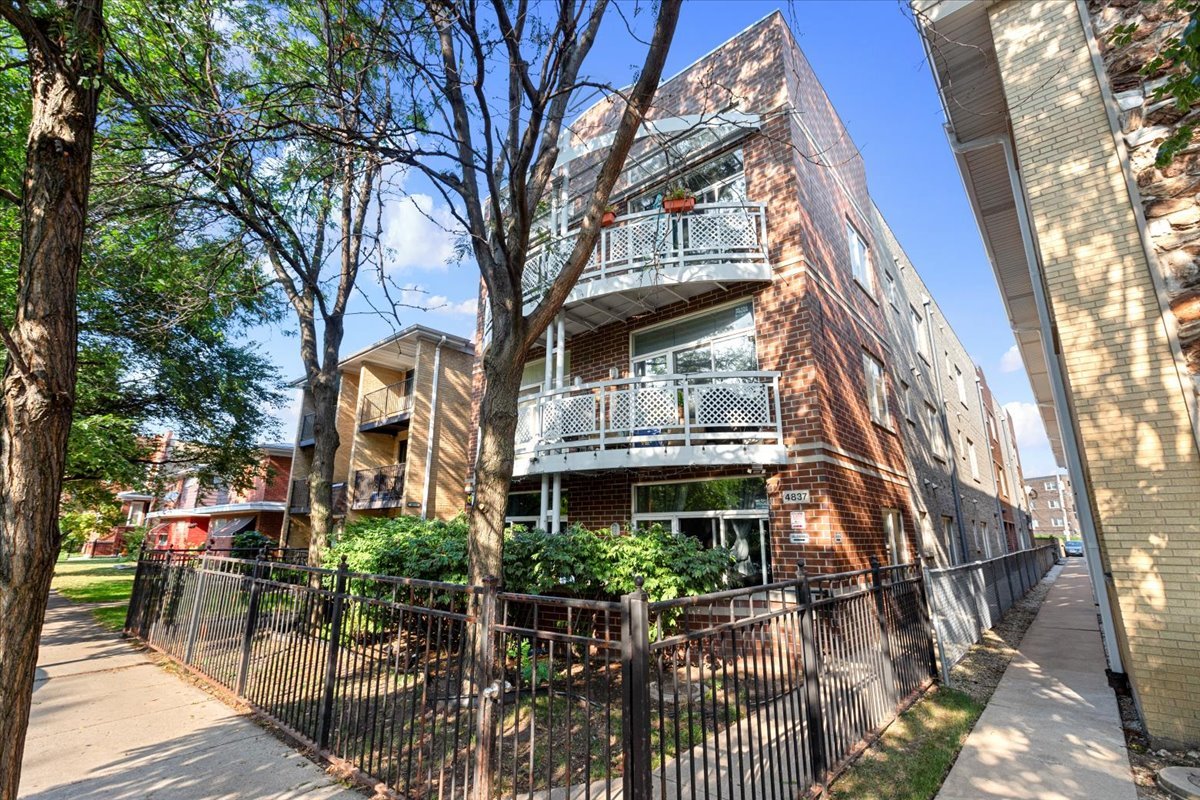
pixel 608 219
pixel 680 206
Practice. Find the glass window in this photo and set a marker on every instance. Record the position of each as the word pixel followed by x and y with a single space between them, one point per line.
pixel 721 341
pixel 893 531
pixel 948 538
pixel 973 458
pixel 961 383
pixel 533 376
pixel 906 400
pixel 920 339
pixel 876 389
pixel 725 494
pixel 937 436
pixel 860 259
pixel 889 289
pixel 524 508
pixel 718 180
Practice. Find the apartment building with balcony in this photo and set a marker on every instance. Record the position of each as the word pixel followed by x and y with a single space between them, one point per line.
pixel 189 516
pixel 402 421
pixel 763 371
pixel 1052 505
pixel 1055 125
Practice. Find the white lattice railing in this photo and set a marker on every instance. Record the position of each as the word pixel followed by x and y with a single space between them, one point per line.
pixel 710 233
pixel 657 411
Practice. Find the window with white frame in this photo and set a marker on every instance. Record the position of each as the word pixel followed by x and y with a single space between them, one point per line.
pixel 1050 486
pixel 860 259
pixel 948 539
pixel 524 508
pixel 889 289
pixel 920 337
pixel 973 459
pixel 1056 522
pixel 534 374
pixel 137 513
pixel 1033 523
pixel 961 383
pixel 876 389
pixel 720 341
pixel 893 531
pixel 1053 504
pixel 906 401
pixel 937 436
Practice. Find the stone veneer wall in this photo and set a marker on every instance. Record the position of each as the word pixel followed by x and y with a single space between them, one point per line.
pixel 1170 196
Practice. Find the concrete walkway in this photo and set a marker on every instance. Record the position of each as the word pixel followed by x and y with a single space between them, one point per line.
pixel 1052 730
pixel 108 724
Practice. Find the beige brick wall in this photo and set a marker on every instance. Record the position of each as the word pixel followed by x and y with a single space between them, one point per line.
pixel 451 433
pixel 1139 451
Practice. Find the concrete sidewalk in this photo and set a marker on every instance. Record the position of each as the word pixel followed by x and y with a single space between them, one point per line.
pixel 108 723
pixel 1052 730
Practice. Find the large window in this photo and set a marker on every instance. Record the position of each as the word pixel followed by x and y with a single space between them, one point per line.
pixel 860 259
pixel 961 384
pixel 893 531
pixel 876 389
pixel 524 508
pixel 722 341
pixel 948 539
pixel 718 180
pixel 728 512
pixel 534 374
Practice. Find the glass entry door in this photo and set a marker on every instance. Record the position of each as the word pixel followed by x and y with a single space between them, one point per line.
pixel 749 539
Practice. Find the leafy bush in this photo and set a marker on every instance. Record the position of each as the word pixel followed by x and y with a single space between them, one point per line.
pixel 132 539
pixel 247 544
pixel 575 563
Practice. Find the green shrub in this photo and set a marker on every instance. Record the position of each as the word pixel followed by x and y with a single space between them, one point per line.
pixel 575 563
pixel 248 544
pixel 132 539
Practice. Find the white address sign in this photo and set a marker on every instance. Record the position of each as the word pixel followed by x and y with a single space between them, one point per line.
pixel 791 498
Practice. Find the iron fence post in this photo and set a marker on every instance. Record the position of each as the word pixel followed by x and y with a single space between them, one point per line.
pixel 248 634
pixel 194 620
pixel 925 609
pixel 635 699
pixel 813 714
pixel 889 676
pixel 325 721
pixel 486 692
pixel 135 595
pixel 1012 590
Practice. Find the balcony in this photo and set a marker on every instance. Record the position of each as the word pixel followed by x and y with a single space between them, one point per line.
pixel 386 410
pixel 702 419
pixel 640 254
pixel 300 502
pixel 308 436
pixel 382 487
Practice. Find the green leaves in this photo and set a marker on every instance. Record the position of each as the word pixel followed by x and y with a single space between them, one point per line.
pixel 575 563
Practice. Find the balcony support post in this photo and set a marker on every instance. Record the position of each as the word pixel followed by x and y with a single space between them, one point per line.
pixel 556 508
pixel 543 502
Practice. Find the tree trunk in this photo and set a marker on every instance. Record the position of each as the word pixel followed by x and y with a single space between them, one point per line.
pixel 494 465
pixel 39 372
pixel 320 475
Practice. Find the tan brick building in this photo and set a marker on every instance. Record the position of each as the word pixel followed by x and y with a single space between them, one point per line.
pixel 1052 506
pixel 403 411
pixel 765 370
pixel 1056 169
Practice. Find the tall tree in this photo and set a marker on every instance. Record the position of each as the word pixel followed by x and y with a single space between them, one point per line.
pixel 63 54
pixel 227 92
pixel 494 82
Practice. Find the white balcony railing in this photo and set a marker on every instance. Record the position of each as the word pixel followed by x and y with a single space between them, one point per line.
pixel 661 411
pixel 713 233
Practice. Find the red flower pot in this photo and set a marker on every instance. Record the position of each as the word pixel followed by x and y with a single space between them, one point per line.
pixel 680 206
pixel 608 219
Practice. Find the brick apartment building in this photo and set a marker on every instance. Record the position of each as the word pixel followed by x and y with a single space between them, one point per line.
pixel 1052 505
pixel 188 516
pixel 1055 125
pixel 765 371
pixel 403 411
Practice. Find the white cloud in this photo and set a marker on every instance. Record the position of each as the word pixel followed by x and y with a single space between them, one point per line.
pixel 289 416
pixel 1027 423
pixel 418 233
pixel 1011 360
pixel 417 297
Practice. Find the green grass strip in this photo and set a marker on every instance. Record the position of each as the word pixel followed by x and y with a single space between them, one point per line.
pixel 916 751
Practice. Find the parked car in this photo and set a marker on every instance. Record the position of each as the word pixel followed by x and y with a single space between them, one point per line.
pixel 1073 547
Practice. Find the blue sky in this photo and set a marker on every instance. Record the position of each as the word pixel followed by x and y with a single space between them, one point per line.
pixel 870 60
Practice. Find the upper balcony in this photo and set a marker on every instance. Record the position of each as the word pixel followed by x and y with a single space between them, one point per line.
pixel 651 258
pixel 301 501
pixel 386 410
pixel 699 419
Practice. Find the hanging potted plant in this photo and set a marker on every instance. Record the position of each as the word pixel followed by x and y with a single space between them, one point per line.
pixel 610 216
pixel 679 200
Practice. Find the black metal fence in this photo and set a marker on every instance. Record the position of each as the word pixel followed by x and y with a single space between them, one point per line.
pixel 970 598
pixel 442 690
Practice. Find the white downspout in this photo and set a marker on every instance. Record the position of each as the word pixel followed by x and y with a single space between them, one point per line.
pixel 559 368
pixel 433 400
pixel 547 367
pixel 1058 388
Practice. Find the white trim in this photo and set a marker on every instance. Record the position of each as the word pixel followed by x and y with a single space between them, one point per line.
pixel 647 457
pixel 229 509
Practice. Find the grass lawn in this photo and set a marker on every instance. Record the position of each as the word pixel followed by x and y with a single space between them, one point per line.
pixel 916 751
pixel 96 580
pixel 111 617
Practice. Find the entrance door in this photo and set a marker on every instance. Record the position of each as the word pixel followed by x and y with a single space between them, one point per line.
pixel 750 542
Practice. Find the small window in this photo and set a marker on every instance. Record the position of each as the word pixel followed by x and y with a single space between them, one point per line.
pixel 920 337
pixel 1052 504
pixel 876 389
pixel 1050 486
pixel 906 401
pixel 860 259
pixel 889 288
pixel 893 531
pixel 937 436
pixel 961 383
pixel 973 458
pixel 948 538
pixel 1056 522
pixel 1033 523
